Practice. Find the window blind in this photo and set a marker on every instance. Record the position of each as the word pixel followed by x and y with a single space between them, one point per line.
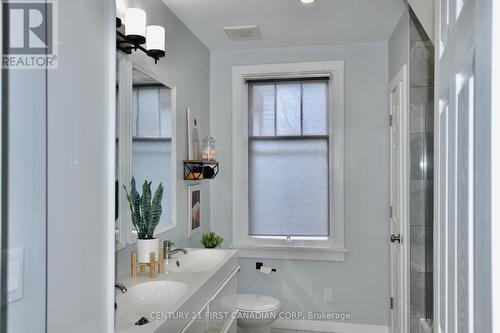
pixel 288 157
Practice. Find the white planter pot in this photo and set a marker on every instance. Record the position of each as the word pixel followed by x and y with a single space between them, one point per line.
pixel 145 247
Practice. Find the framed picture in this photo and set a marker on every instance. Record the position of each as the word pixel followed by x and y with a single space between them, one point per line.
pixel 193 135
pixel 194 209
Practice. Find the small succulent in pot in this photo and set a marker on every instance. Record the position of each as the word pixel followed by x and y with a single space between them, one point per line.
pixel 211 240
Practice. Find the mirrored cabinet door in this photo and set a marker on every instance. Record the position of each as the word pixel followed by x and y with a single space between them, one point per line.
pixel 123 150
pixel 145 144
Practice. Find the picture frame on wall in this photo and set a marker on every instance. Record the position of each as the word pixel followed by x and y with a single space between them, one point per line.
pixel 193 123
pixel 194 209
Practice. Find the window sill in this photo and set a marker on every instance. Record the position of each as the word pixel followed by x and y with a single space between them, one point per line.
pixel 317 253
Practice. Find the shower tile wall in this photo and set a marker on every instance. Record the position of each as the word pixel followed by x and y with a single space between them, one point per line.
pixel 421 173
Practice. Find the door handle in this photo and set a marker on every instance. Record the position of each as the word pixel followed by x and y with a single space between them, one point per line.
pixel 396 238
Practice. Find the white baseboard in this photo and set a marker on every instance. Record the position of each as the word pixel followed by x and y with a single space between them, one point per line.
pixel 328 326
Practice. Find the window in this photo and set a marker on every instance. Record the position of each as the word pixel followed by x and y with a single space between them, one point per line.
pixel 288 161
pixel 288 158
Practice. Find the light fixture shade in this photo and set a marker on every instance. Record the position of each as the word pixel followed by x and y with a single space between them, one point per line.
pixel 155 38
pixel 135 24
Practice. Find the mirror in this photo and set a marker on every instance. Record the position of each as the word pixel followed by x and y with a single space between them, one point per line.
pixel 152 138
pixel 145 144
pixel 119 231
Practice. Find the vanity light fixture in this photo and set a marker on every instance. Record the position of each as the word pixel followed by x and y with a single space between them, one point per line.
pixel 133 33
pixel 307 2
pixel 155 40
pixel 135 25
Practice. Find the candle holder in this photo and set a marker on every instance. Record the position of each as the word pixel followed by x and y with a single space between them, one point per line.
pixel 208 149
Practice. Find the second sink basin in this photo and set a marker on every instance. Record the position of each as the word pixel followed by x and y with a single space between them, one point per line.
pixel 196 261
pixel 144 298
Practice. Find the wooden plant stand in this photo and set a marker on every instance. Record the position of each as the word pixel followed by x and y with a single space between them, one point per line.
pixel 153 264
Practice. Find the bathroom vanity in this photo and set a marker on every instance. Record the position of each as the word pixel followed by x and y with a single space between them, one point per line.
pixel 184 298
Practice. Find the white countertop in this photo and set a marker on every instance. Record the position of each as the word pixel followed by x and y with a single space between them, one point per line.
pixel 194 280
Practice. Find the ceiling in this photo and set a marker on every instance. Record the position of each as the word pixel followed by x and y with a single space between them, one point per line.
pixel 286 23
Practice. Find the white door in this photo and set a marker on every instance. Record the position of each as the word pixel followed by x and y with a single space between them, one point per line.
pixel 397 210
pixel 462 223
pixel 2 292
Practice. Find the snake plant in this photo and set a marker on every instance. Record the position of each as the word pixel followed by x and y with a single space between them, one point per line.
pixel 145 211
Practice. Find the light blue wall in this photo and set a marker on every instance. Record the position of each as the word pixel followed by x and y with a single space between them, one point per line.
pixel 399 45
pixel 25 225
pixel 361 283
pixel 80 180
pixel 187 66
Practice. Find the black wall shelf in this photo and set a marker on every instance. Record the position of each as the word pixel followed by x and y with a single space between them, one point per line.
pixel 198 170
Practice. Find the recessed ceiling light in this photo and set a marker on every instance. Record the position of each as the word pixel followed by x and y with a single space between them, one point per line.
pixel 307 1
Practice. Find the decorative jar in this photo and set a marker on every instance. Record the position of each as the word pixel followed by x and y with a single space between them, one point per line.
pixel 208 149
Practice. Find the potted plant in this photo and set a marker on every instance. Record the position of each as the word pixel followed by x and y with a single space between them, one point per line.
pixel 211 240
pixel 146 212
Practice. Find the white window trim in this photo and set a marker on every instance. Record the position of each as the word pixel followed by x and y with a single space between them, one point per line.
pixel 330 249
pixel 128 235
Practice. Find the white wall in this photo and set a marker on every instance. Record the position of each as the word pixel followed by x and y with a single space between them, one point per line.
pixel 424 9
pixel 24 114
pixel 80 160
pixel 187 66
pixel 399 45
pixel 361 283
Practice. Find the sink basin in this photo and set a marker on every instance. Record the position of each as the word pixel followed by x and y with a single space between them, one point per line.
pixel 196 261
pixel 144 298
